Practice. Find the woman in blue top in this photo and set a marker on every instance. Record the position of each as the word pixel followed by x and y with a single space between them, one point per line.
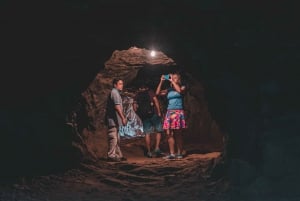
pixel 174 119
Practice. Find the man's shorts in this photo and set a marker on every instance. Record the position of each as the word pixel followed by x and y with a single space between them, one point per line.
pixel 152 124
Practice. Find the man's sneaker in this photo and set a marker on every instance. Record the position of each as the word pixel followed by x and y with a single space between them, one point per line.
pixel 149 155
pixel 158 153
pixel 179 156
pixel 169 157
pixel 123 159
pixel 115 159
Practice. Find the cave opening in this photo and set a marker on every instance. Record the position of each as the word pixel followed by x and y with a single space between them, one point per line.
pixel 86 133
pixel 135 67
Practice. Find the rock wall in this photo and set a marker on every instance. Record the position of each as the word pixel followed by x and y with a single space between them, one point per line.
pixel 89 125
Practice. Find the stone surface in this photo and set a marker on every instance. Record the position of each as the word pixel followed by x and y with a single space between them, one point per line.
pixel 126 64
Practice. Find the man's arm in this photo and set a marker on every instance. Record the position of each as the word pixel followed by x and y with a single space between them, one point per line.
pixel 118 108
pixel 118 101
pixel 156 103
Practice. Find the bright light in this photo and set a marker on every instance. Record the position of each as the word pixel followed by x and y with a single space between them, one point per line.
pixel 153 53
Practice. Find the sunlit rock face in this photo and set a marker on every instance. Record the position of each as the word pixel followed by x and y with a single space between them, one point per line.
pixel 133 66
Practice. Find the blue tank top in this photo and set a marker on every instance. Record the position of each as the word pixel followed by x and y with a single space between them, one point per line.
pixel 175 100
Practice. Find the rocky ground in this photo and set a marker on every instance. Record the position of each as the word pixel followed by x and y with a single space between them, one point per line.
pixel 198 176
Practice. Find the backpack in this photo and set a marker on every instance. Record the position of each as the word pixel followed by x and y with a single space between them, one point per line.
pixel 145 105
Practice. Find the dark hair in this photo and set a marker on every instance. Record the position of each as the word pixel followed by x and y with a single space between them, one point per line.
pixel 144 83
pixel 115 81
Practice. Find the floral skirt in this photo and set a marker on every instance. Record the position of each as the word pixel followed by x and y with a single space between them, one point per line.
pixel 174 119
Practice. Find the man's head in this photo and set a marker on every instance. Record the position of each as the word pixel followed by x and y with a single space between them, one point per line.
pixel 144 85
pixel 118 84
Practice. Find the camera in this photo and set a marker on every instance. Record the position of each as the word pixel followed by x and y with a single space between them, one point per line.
pixel 167 77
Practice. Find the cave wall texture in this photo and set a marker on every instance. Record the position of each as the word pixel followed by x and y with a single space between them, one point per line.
pixel 134 66
pixel 245 57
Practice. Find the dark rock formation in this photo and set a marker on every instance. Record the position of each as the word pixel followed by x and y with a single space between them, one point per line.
pixel 135 65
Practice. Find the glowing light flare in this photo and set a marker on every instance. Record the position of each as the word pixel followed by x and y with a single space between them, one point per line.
pixel 153 53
